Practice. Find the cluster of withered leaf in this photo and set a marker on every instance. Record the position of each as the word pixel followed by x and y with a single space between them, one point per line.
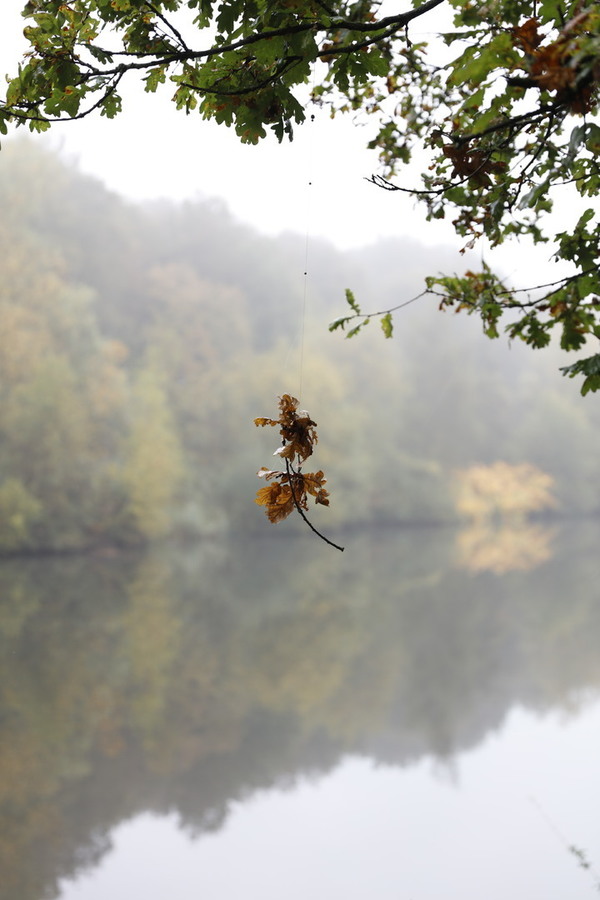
pixel 563 65
pixel 473 164
pixel 291 488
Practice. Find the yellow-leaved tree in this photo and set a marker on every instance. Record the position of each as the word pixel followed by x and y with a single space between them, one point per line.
pixel 503 491
pixel 154 465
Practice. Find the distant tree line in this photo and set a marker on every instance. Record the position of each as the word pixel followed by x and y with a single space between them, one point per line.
pixel 138 343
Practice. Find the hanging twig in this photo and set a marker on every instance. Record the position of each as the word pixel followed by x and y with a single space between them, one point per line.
pixel 291 488
pixel 291 473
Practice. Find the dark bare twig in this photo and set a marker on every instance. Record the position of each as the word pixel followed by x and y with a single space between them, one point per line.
pixel 381 182
pixel 561 282
pixel 328 9
pixel 168 24
pixel 510 304
pixel 291 473
pixel 111 88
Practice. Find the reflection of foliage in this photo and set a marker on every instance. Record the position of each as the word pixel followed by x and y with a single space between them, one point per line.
pixel 183 681
pixel 152 636
pixel 509 548
pixel 503 491
pixel 18 510
pixel 584 863
pixel 578 853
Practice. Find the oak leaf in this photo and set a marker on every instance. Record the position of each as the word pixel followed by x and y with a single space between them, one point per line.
pixel 262 420
pixel 278 500
pixel 474 165
pixel 313 484
pixel 291 488
pixel 527 36
pixel 263 472
pixel 551 68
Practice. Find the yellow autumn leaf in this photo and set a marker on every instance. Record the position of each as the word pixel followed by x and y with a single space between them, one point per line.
pixel 262 420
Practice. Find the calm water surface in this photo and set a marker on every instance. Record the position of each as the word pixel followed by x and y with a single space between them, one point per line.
pixel 418 718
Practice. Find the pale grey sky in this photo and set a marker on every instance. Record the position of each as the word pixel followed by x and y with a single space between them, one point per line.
pixel 152 150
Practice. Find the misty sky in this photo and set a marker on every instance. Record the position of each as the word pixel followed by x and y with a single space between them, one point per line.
pixel 152 150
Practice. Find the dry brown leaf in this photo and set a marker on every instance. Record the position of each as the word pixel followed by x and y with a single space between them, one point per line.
pixel 291 488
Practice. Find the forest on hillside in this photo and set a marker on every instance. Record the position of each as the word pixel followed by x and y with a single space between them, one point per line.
pixel 139 342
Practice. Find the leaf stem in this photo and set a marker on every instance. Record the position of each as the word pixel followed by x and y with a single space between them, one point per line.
pixel 291 472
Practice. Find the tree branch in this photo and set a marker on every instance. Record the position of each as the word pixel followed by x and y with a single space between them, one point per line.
pixel 285 65
pixel 557 285
pixel 391 23
pixel 400 21
pixel 291 473
pixel 509 124
pixel 24 117
pixel 167 24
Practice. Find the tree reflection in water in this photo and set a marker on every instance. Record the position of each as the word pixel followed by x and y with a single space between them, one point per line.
pixel 184 680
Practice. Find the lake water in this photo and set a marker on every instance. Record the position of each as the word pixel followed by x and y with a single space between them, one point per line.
pixel 417 718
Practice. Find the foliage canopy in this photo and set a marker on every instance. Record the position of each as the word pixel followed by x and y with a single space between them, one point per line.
pixel 499 105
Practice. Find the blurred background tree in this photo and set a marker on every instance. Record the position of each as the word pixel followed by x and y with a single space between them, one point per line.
pixel 139 342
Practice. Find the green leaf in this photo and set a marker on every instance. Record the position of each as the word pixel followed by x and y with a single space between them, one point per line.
pixel 354 331
pixel 111 105
pixel 351 301
pixel 46 21
pixel 531 198
pixel 102 56
pixel 477 62
pixel 154 78
pixel 387 325
pixel 590 367
pixel 376 63
pixel 576 139
pixel 592 138
pixel 339 323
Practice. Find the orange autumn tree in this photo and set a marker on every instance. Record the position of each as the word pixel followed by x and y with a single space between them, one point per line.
pixel 503 491
pixel 289 489
pixel 515 547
